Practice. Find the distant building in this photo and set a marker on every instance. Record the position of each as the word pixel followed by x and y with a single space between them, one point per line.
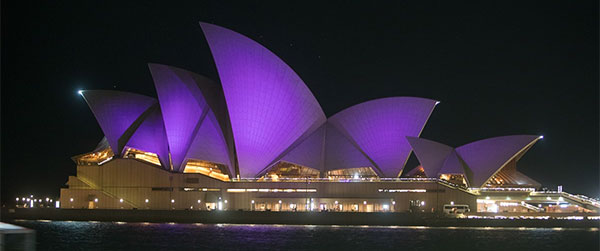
pixel 259 140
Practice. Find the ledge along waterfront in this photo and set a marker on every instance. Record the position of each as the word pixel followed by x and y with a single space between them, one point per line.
pixel 299 218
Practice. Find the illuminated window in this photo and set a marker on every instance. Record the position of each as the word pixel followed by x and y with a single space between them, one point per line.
pixel 148 157
pixel 94 158
pixel 458 179
pixel 288 170
pixel 207 168
pixel 352 173
pixel 393 190
pixel 274 190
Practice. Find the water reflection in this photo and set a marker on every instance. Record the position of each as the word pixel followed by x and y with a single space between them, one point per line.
pixel 67 235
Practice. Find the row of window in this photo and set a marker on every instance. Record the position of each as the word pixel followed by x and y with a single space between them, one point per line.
pixel 275 190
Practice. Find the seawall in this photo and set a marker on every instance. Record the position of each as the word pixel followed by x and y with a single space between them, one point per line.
pixel 296 218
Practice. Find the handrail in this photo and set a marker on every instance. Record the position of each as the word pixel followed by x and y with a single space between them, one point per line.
pixel 105 192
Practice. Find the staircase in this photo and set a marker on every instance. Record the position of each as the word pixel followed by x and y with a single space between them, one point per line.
pixel 531 207
pixel 92 185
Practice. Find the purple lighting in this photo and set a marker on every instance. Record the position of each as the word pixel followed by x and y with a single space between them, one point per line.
pixel 482 158
pixel 116 113
pixel 209 143
pixel 151 137
pixel 452 164
pixel 270 107
pixel 486 157
pixel 431 154
pixel 379 127
pixel 262 113
pixel 182 110
pixel 309 152
pixel 341 153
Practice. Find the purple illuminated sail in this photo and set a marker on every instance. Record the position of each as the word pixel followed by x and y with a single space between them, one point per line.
pixel 209 143
pixel 269 106
pixel 379 127
pixel 341 153
pixel 183 108
pixel 430 154
pixel 486 157
pixel 116 113
pixel 452 164
pixel 309 152
pixel 150 137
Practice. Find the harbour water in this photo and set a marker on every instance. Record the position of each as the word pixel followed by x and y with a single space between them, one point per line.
pixel 72 235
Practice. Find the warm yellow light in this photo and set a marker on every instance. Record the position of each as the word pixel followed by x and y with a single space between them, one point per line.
pixel 205 168
pixel 236 190
pixel 142 155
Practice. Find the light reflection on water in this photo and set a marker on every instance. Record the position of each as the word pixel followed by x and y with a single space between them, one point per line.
pixel 92 235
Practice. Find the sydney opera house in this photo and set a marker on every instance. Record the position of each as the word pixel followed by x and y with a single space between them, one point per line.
pixel 257 139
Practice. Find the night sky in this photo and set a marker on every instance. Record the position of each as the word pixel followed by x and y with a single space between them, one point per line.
pixel 498 68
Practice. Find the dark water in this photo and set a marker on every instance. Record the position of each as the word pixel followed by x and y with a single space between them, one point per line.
pixel 63 235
